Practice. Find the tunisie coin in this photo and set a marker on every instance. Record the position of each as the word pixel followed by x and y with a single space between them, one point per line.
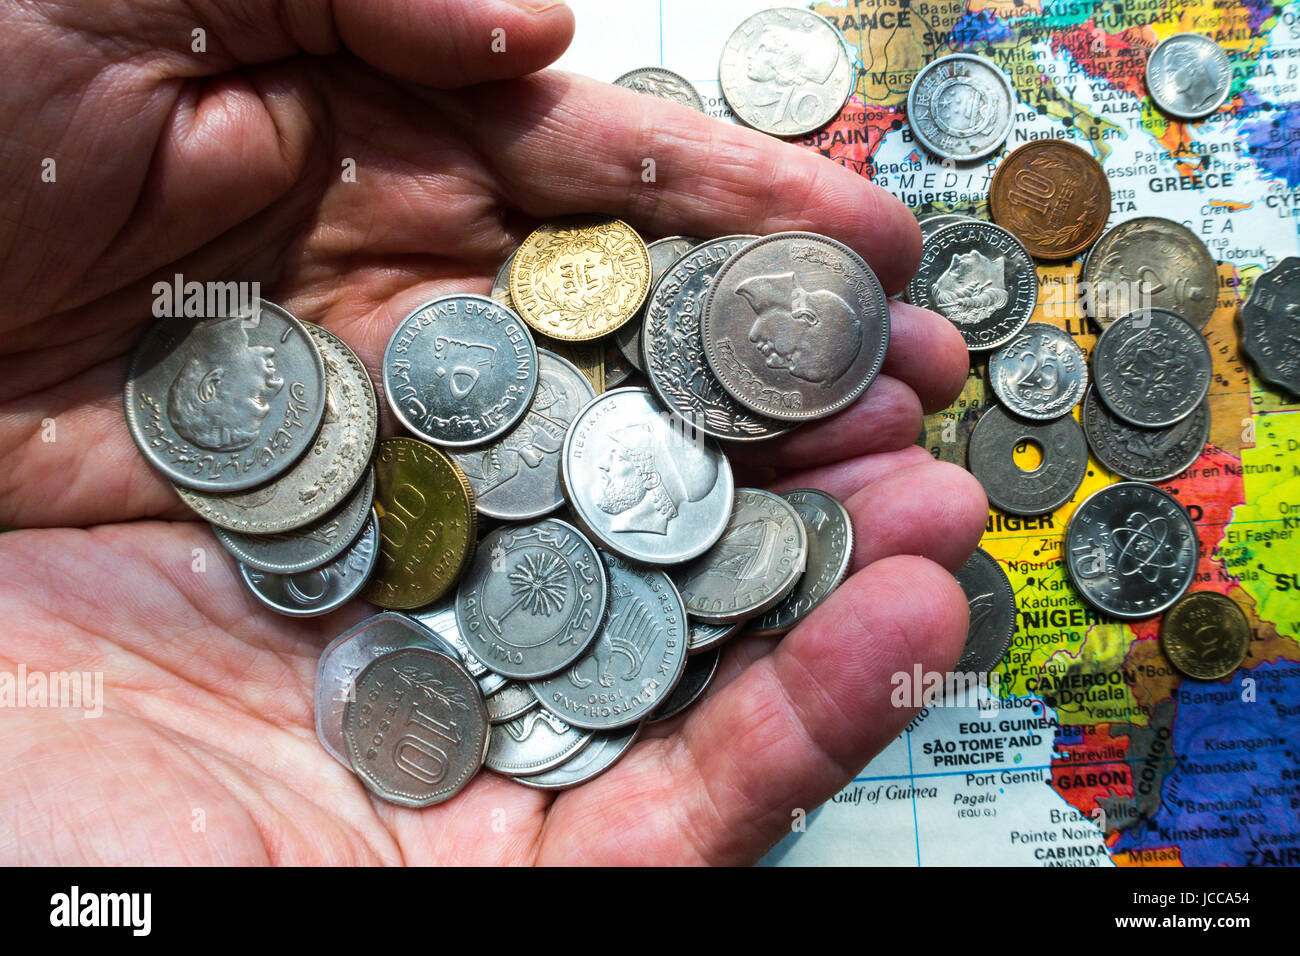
pixel 702 636
pixel 662 84
pixel 532 601
pixel 517 477
pixel 534 742
pixel 961 107
pixel 327 473
pixel 1269 330
pixel 1150 262
pixel 1144 454
pixel 786 71
pixel 426 524
pixel 795 326
pixel 1131 550
pixel 509 702
pixel 830 549
pixel 663 253
pixel 1188 75
pixel 460 370
pixel 699 673
pixel 1041 373
pixel 417 730
pixel 980 278
pixel 641 486
pixel 225 404
pixel 580 278
pixel 1153 368
pixel 993 442
pixel 754 565
pixel 674 354
pixel 1206 635
pixel 992 606
pixel 1053 196
pixel 602 752
pixel 321 589
pixel 441 619
pixel 635 661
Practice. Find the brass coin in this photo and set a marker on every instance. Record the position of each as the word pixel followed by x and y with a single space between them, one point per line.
pixel 426 524
pixel 581 278
pixel 1053 196
pixel 1205 635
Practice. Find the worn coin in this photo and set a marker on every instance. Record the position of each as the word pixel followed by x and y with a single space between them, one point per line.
pixel 662 84
pixel 512 700
pixel 225 403
pixel 426 524
pixel 441 619
pixel 795 326
pixel 1131 550
pixel 1270 325
pixel 416 730
pixel 639 485
pixel 602 752
pixel 786 71
pixel 1206 635
pixel 961 107
pixel 932 224
pixel 1189 75
pixel 663 253
pixel 321 589
pixel 1144 454
pixel 699 673
pixel 1064 464
pixel 1041 373
pixel 992 606
pixel 1053 196
pixel 702 636
pixel 635 661
pixel 1153 368
pixel 1150 262
pixel 534 742
pixel 980 278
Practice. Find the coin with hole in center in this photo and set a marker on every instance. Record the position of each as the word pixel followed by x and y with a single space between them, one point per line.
pixel 1017 491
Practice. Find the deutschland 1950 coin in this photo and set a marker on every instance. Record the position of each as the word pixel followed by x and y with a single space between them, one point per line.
pixel 416 730
pixel 1153 368
pixel 663 253
pixel 992 606
pixel 960 107
pixel 1269 329
pixel 1189 76
pixel 1053 196
pixel 321 589
pixel 228 403
pixel 786 71
pixel 512 700
pixel 1131 550
pixel 640 485
pixel 534 742
pixel 440 618
pixel 1041 373
pixel 1150 262
pixel 602 752
pixel 695 681
pixel 993 443
pixel 1144 454
pixel 662 84
pixel 1206 635
pixel 795 326
pixel 701 636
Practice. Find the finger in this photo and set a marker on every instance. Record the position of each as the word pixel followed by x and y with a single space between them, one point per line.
pixel 928 353
pixel 843 478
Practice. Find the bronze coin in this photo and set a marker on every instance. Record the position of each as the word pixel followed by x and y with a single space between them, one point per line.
pixel 1053 196
pixel 1206 635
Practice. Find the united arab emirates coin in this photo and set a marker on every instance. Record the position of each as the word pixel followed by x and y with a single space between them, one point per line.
pixel 1144 454
pixel 321 589
pixel 1131 550
pixel 427 524
pixel 638 484
pixel 754 565
pixel 695 681
pixel 534 742
pixel 795 326
pixel 580 278
pixel 663 253
pixel 1189 76
pixel 460 370
pixel 932 224
pixel 1041 373
pixel 830 550
pixel 532 600
pixel 635 661
pixel 992 606
pixel 702 636
pixel 225 403
pixel 961 106
pixel 512 700
pixel 416 730
pixel 662 84
pixel 981 279
pixel 1153 368
pixel 1053 196
pixel 786 71
pixel 1270 325
pixel 1150 262
pixel 601 752
pixel 1206 635
pixel 440 618
pixel 993 443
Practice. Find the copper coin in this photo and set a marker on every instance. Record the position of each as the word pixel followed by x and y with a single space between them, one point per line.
pixel 1053 196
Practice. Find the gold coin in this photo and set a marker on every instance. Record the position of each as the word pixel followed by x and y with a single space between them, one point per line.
pixel 1206 635
pixel 426 524
pixel 587 357
pixel 578 279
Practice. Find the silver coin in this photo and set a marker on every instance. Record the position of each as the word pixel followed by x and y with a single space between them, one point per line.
pixel 640 485
pixel 1150 262
pixel 1188 75
pixel 992 606
pixel 993 442
pixel 1153 368
pixel 1144 454
pixel 1131 550
pixel 699 673
pixel 932 224
pixel 663 253
pixel 416 730
pixel 534 742
pixel 754 565
pixel 440 617
pixel 512 700
pixel 662 84
pixel 321 589
pixel 635 661
pixel 309 546
pixel 786 71
pixel 702 636
pixel 517 477
pixel 674 354
pixel 1041 373
pixel 347 656
pixel 830 550
pixel 795 326
pixel 1268 325
pixel 961 107
pixel 531 602
pixel 603 751
pixel 617 368
pixel 501 284
pixel 460 370
pixel 980 278
pixel 227 403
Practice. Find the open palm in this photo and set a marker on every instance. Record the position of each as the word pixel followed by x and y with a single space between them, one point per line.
pixel 227 164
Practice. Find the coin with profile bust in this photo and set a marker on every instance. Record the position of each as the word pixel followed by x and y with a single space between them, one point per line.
pixel 663 85
pixel 1189 75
